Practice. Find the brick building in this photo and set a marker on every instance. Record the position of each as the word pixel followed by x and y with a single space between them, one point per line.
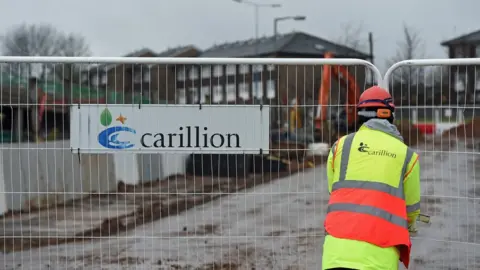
pixel 465 79
pixel 156 82
pixel 265 84
pixel 268 83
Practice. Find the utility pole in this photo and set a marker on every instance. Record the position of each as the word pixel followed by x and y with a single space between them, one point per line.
pixel 256 7
pixel 278 19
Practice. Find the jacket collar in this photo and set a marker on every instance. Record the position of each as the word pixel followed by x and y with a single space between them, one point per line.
pixel 383 126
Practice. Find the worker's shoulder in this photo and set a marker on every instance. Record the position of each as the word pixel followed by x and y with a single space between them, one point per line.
pixel 413 152
pixel 342 138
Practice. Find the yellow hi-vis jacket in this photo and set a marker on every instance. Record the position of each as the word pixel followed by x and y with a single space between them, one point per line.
pixel 375 139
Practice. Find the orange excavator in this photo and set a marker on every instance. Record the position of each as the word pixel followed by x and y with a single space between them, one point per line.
pixel 345 119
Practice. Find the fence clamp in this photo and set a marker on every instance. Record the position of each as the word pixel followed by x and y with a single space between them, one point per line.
pixel 199 105
pixel 261 106
pixel 78 155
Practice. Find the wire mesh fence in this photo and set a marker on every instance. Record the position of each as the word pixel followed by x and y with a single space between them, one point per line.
pixel 155 207
pixel 436 97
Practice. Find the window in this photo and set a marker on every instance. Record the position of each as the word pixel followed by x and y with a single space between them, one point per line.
pixel 218 71
pixel 257 68
pixel 271 67
pixel 94 80
pixel 137 77
pixel 257 89
pixel 193 73
pixel 205 94
pixel 459 52
pixel 146 75
pixel 206 71
pixel 244 69
pixel 243 91
pixel 181 98
pixel 217 93
pixel 460 82
pixel 103 79
pixel 231 95
pixel 477 81
pixel 477 51
pixel 181 74
pixel 271 89
pixel 192 91
pixel 231 70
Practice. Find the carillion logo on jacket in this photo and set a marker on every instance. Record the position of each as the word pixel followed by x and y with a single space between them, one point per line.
pixel 108 138
pixel 364 148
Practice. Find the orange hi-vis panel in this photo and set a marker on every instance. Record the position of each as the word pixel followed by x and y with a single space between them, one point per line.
pixel 369 211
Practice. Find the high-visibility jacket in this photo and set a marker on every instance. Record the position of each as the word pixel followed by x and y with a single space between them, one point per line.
pixel 368 201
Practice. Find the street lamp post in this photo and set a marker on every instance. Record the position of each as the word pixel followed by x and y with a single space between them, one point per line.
pixel 256 7
pixel 276 20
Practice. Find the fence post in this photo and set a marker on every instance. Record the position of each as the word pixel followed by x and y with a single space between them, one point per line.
pixel 3 196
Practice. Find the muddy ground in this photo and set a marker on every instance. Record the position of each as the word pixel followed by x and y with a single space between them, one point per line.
pixel 279 226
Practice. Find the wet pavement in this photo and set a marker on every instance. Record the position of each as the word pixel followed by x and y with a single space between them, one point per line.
pixel 279 226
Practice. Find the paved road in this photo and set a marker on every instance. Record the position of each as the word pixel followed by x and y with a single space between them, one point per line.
pixel 278 226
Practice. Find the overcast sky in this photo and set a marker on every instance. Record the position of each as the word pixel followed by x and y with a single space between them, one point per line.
pixel 117 27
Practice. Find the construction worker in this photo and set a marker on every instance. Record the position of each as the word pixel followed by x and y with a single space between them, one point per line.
pixel 374 186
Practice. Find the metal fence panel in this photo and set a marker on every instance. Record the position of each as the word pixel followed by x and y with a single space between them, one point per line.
pixel 441 95
pixel 276 224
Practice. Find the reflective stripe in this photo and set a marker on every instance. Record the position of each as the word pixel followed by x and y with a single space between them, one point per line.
pixel 394 191
pixel 413 207
pixel 363 209
pixel 333 147
pixel 409 156
pixel 370 185
pixel 377 186
pixel 347 145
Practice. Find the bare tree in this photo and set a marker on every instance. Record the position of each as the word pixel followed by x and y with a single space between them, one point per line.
pixel 71 45
pixel 42 40
pixel 412 46
pixel 353 36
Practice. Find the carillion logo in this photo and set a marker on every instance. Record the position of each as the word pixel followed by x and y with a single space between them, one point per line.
pixel 108 138
pixel 364 148
pixel 185 137
pixel 190 136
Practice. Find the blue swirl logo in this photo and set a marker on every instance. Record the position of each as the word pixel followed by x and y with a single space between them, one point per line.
pixel 108 138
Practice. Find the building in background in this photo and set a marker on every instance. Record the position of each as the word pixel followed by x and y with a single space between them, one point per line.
pixel 124 82
pixel 465 79
pixel 266 84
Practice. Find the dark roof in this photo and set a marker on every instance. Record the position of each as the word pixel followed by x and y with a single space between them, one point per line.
pixel 140 52
pixel 473 37
pixel 296 43
pixel 172 52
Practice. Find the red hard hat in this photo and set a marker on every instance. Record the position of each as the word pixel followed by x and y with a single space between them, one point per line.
pixel 376 96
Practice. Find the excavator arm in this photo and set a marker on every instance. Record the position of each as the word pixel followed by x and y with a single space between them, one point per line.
pixel 347 81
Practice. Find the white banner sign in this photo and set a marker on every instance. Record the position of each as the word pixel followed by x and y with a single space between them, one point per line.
pixel 160 128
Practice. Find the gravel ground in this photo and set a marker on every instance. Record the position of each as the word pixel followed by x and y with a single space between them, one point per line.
pixel 279 226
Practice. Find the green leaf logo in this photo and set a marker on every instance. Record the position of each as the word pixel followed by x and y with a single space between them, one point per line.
pixel 105 118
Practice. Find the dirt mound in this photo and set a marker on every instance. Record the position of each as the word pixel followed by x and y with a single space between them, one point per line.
pixel 411 135
pixel 467 130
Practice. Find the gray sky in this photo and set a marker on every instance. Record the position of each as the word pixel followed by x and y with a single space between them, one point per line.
pixel 116 27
